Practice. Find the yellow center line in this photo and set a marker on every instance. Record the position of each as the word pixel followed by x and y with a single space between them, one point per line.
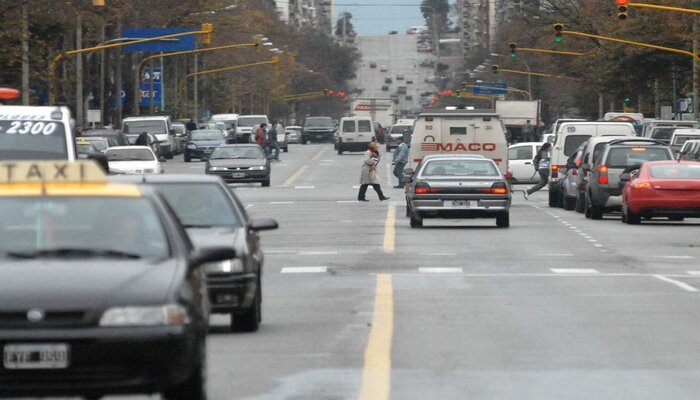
pixel 296 175
pixel 390 230
pixel 320 154
pixel 376 376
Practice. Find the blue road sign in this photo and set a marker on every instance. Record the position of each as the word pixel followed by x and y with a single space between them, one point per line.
pixel 145 86
pixel 491 88
pixel 182 43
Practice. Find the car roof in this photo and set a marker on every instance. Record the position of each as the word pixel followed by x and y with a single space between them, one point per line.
pixel 636 141
pixel 151 117
pixel 240 145
pixel 686 131
pixel 522 143
pixel 452 113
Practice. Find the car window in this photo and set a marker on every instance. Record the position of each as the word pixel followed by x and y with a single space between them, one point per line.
pixel 675 171
pixel 572 142
pixel 251 152
pixel 598 149
pixel 681 139
pixel 130 155
pixel 623 157
pixel 459 168
pixel 206 135
pixel 662 133
pixel 520 153
pixel 349 126
pixel 199 204
pixel 364 125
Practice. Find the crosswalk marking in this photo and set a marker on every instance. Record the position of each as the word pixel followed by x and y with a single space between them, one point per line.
pixel 440 270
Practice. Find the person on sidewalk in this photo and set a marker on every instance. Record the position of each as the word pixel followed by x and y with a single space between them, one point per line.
pixel 542 161
pixel 369 173
pixel 400 160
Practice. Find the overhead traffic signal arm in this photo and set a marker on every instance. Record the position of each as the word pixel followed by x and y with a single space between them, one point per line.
pixel 626 4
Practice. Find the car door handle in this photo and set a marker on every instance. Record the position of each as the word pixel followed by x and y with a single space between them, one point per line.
pixel 528 162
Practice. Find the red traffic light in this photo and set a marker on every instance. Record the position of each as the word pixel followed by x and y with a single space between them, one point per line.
pixel 622 2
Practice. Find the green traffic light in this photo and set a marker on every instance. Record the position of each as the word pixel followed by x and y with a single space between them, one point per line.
pixel 557 40
pixel 513 55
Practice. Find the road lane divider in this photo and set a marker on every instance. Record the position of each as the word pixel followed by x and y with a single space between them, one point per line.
pixel 680 284
pixel 390 230
pixel 304 270
pixel 295 176
pixel 319 154
pixel 376 374
pixel 574 270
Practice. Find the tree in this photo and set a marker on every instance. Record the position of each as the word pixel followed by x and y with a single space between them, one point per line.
pixel 344 25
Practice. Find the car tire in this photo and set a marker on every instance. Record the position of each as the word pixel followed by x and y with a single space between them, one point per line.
pixel 503 220
pixel 569 203
pixel 553 194
pixel 580 203
pixel 250 320
pixel 194 388
pixel 592 211
pixel 265 183
pixel 629 217
pixel 561 199
pixel 187 158
pixel 416 220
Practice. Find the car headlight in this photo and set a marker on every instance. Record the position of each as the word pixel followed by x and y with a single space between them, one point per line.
pixel 171 314
pixel 258 168
pixel 224 267
pixel 217 168
pixel 192 146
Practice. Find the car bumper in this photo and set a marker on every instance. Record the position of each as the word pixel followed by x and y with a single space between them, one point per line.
pixel 607 198
pixel 249 177
pixel 325 135
pixel 669 205
pixel 202 154
pixel 231 292
pixel 353 146
pixel 455 208
pixel 105 361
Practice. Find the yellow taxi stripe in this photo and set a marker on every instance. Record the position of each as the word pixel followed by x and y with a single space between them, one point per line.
pixel 70 189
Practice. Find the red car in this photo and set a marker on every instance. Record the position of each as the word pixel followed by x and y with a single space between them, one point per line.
pixel 662 189
pixel 373 65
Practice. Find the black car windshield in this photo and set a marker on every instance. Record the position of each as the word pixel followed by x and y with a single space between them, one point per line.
pixel 130 155
pixel 157 127
pixel 86 148
pixel 675 171
pixel 99 143
pixel 459 168
pixel 33 140
pixel 623 157
pixel 81 226
pixel 251 121
pixel 206 135
pixel 324 122
pixel 200 204
pixel 252 152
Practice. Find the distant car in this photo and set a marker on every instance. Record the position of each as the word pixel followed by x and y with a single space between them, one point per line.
pixel 383 68
pixel 282 138
pixel 373 65
pixel 457 186
pixel 202 142
pixel 661 189
pixel 239 163
pixel 100 143
pixel 409 82
pixel 388 80
pixel 318 129
pixel 85 149
pixel 520 157
pixel 393 32
pixel 401 89
pixel 427 63
pixel 399 77
pixel 385 88
pixel 118 136
pixel 402 129
pixel 293 133
pixel 133 160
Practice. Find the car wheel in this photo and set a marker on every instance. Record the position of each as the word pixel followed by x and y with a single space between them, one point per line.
pixel 594 211
pixel 587 208
pixel 194 388
pixel 629 217
pixel 503 220
pixel 187 158
pixel 249 321
pixel 416 220
pixel 553 197
pixel 266 182
pixel 581 203
pixel 569 203
pixel 560 199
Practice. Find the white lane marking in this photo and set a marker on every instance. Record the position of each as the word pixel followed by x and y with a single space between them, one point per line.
pixel 556 254
pixel 597 245
pixel 281 202
pixel 677 257
pixel 346 201
pixel 304 187
pixel 328 160
pixel 680 284
pixel 574 270
pixel 317 253
pixel 694 273
pixel 250 206
pixel 440 270
pixel 356 187
pixel 304 270
pixel 281 252
pixel 592 240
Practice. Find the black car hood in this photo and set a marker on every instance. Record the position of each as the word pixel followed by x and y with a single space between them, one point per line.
pixel 237 162
pixel 85 284
pixel 216 236
pixel 207 143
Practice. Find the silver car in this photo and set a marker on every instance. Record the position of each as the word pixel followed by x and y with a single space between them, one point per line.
pixel 457 187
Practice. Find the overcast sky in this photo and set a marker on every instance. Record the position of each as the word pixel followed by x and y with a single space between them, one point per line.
pixel 378 17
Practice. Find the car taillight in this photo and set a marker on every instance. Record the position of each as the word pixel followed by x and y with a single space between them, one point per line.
pixel 555 171
pixel 496 188
pixel 642 185
pixel 424 188
pixel 603 175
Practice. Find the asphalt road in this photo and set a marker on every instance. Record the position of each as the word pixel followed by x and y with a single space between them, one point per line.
pixel 357 305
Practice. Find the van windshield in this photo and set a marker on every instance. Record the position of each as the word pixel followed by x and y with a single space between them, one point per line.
pixel 681 139
pixel 33 140
pixel 325 122
pixel 662 133
pixel 572 142
pixel 251 121
pixel 155 127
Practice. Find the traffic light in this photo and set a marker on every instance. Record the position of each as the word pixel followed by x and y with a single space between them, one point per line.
pixel 513 48
pixel 627 100
pixel 622 9
pixel 207 29
pixel 325 92
pixel 275 62
pixel 330 92
pixel 464 85
pixel 494 69
pixel 557 32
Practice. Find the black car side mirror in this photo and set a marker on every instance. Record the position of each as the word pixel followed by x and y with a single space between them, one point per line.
pixel 263 224
pixel 205 255
pixel 625 177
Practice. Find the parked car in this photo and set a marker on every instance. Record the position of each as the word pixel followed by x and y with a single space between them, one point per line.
pixel 603 190
pixel 131 160
pixel 202 142
pixel 668 189
pixel 457 186
pixel 239 163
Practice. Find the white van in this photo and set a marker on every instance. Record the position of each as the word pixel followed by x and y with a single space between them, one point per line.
pixel 36 133
pixel 660 129
pixel 569 137
pixel 248 125
pixel 354 134
pixel 158 125
pixel 230 122
pixel 680 136
pixel 460 132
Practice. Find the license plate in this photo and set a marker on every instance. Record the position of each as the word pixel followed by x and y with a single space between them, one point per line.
pixel 319 136
pixel 238 175
pixel 36 356
pixel 207 151
pixel 461 204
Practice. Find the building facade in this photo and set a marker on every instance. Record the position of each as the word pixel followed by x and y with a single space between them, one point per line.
pixel 318 14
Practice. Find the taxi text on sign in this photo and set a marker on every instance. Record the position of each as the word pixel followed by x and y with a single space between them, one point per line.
pixel 50 171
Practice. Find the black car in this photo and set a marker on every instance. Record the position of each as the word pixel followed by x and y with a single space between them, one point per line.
pixel 318 129
pixel 115 135
pixel 101 290
pixel 213 215
pixel 239 163
pixel 201 143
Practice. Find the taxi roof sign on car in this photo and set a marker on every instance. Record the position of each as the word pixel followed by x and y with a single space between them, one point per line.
pixel 23 172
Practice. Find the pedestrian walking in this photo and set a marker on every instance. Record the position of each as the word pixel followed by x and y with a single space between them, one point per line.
pixel 400 160
pixel 541 161
pixel 261 136
pixel 369 173
pixel 272 140
pixel 528 132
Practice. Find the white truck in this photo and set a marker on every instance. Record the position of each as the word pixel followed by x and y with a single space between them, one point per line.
pixel 514 114
pixel 380 110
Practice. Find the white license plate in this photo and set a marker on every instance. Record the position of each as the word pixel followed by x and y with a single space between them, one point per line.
pixel 36 356
pixel 461 204
pixel 238 175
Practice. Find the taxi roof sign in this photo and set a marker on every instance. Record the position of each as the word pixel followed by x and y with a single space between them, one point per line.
pixel 23 172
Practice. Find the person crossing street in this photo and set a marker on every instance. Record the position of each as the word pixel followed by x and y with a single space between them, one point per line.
pixel 399 161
